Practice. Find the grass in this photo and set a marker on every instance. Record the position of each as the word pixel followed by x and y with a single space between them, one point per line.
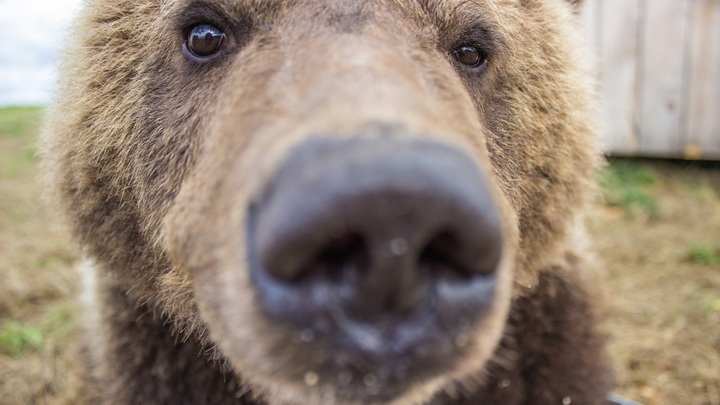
pixel 18 163
pixel 703 254
pixel 17 337
pixel 38 285
pixel 660 254
pixel 626 184
pixel 18 129
pixel 16 122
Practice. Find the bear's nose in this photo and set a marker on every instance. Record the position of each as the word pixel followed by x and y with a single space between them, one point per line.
pixel 365 228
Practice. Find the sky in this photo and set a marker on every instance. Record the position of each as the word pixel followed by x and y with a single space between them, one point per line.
pixel 33 31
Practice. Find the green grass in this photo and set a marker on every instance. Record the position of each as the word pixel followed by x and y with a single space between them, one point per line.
pixel 45 262
pixel 18 338
pixel 712 305
pixel 18 163
pixel 19 127
pixel 627 184
pixel 19 217
pixel 16 122
pixel 703 254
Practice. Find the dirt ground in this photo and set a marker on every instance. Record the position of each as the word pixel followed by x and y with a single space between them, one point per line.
pixel 656 227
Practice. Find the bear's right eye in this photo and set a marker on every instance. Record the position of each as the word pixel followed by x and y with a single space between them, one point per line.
pixel 205 40
pixel 470 57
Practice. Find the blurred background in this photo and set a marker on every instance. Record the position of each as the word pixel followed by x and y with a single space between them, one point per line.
pixel 33 32
pixel 659 64
pixel 655 222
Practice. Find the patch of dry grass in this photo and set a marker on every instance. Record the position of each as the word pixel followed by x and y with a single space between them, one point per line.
pixel 665 287
pixel 37 281
pixel 658 233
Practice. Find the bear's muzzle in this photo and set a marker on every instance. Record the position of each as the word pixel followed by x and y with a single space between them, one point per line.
pixel 380 247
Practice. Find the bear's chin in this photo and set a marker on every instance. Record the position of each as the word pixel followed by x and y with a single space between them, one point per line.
pixel 405 393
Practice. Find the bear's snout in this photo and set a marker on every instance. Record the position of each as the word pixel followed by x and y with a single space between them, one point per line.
pixel 381 245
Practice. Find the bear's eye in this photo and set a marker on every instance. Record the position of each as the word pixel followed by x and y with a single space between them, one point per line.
pixel 470 56
pixel 204 40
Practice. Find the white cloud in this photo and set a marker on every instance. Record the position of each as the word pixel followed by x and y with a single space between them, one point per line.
pixel 33 31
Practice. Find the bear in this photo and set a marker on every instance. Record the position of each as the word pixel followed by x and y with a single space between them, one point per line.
pixel 331 202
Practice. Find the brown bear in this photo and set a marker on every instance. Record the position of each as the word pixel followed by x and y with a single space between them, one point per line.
pixel 331 202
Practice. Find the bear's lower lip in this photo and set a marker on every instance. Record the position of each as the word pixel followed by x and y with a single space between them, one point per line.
pixel 375 363
pixel 387 382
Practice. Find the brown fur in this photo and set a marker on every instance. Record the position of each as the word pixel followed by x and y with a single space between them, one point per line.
pixel 155 160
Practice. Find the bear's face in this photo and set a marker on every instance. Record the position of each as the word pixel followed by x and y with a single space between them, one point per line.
pixel 344 195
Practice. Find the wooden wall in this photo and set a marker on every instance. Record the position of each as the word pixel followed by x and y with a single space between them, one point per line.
pixel 659 64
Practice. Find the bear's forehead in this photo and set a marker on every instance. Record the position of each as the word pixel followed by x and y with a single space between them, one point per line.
pixel 449 10
pixel 451 20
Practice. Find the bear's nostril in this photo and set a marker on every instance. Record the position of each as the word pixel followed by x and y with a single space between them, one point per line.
pixel 341 259
pixel 446 257
pixel 440 258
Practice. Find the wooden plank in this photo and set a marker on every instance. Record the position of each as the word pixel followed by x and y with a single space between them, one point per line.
pixel 703 102
pixel 661 74
pixel 590 25
pixel 618 64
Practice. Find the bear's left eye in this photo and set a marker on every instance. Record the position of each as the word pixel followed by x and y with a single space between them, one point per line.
pixel 205 40
pixel 470 56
